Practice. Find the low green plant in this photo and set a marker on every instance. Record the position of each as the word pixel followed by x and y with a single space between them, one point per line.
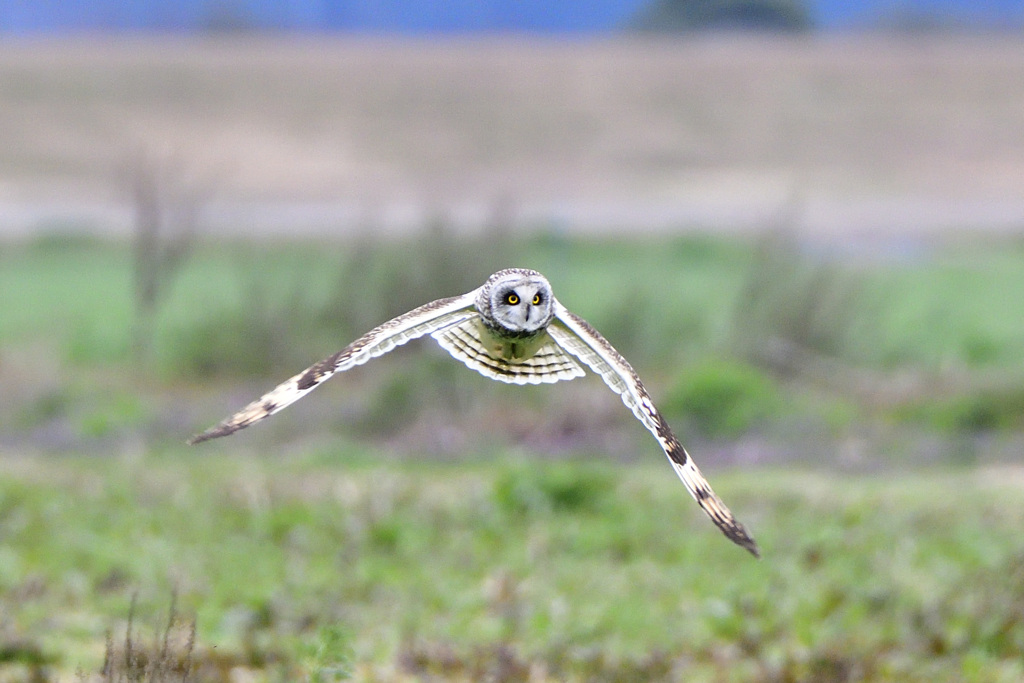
pixel 724 399
pixel 558 488
pixel 987 410
pixel 329 655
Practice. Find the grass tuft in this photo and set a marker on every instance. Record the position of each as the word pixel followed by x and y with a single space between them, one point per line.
pixel 167 657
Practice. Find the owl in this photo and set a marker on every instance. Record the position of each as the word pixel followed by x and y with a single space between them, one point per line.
pixel 514 330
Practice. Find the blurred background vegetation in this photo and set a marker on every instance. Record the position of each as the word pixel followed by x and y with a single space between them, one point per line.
pixel 738 337
pixel 810 249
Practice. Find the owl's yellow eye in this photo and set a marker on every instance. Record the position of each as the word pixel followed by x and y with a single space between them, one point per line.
pixel 536 299
pixel 511 298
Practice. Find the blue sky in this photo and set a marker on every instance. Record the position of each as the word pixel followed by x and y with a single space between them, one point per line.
pixel 426 16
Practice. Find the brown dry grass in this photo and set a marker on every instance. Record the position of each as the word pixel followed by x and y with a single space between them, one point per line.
pixel 386 123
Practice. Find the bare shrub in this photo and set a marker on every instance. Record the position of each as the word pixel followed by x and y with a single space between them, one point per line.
pixel 792 307
pixel 167 199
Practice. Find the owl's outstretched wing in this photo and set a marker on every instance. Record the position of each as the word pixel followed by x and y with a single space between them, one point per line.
pixel 420 321
pixel 577 337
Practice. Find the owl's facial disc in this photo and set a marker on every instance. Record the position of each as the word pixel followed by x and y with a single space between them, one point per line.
pixel 523 305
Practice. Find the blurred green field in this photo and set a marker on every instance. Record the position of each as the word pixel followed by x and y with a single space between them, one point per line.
pixel 336 565
pixel 932 305
pixel 305 556
pixel 732 335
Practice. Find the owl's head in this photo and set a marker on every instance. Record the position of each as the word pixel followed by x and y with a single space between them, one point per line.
pixel 516 300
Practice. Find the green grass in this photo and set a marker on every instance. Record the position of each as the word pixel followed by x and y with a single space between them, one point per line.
pixel 339 559
pixel 674 298
pixel 80 295
pixel 712 324
pixel 956 307
pixel 304 568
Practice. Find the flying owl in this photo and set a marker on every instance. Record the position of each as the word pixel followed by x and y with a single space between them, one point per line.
pixel 514 330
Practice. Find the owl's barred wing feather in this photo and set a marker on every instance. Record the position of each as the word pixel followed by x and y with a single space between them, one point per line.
pixel 378 341
pixel 577 337
pixel 549 363
pixel 501 342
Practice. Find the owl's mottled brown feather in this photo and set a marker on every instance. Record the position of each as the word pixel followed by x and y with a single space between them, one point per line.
pixel 376 342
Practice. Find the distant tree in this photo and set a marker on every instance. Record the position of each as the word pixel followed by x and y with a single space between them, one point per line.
pixel 671 16
pixel 919 20
pixel 228 16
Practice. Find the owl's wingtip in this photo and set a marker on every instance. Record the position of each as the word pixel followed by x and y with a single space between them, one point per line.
pixel 740 537
pixel 211 433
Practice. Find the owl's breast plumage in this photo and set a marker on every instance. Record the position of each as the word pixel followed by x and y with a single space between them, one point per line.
pixel 521 360
pixel 510 345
